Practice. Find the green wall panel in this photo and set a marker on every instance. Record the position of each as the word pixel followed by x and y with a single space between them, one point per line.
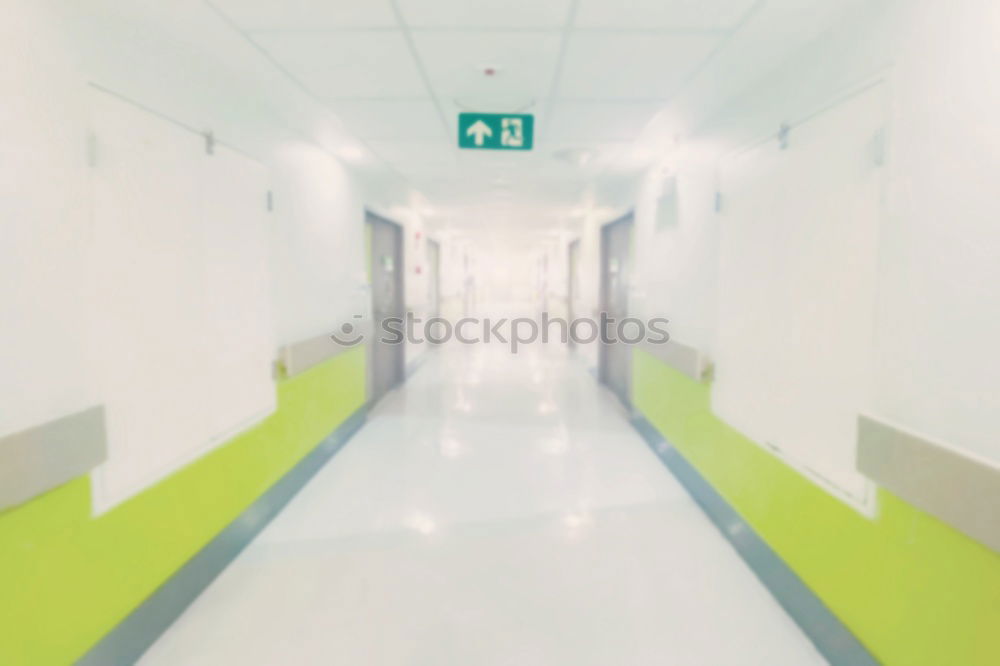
pixel 913 589
pixel 66 578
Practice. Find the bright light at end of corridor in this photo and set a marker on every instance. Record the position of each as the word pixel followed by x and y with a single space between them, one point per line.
pixel 450 447
pixel 577 522
pixel 554 446
pixel 422 523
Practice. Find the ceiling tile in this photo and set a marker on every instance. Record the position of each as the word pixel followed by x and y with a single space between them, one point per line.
pixel 412 172
pixel 454 61
pixel 375 119
pixel 587 159
pixel 347 64
pixel 497 163
pixel 431 155
pixel 598 121
pixel 636 65
pixel 485 13
pixel 668 14
pixel 307 14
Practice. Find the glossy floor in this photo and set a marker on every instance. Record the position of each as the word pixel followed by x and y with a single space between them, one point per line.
pixel 496 510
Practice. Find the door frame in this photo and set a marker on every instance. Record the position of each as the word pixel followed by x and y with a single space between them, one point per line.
pixel 572 280
pixel 374 347
pixel 603 354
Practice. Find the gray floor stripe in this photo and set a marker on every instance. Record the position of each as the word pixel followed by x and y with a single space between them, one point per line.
pixel 833 640
pixel 137 632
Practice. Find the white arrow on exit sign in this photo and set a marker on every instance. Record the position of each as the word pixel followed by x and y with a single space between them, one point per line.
pixel 479 131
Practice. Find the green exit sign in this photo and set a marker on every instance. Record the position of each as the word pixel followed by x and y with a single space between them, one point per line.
pixel 496 131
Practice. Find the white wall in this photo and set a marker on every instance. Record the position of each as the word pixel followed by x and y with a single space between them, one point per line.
pixel 934 368
pixel 555 274
pixel 455 252
pixel 136 270
pixel 415 261
pixel 45 227
pixel 797 289
pixel 678 260
pixel 180 311
pixel 318 243
pixel 939 320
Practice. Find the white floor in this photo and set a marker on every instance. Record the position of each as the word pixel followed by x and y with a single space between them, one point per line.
pixel 497 510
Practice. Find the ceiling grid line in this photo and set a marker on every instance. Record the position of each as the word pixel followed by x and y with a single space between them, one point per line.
pixel 727 38
pixel 418 61
pixel 231 24
pixel 567 29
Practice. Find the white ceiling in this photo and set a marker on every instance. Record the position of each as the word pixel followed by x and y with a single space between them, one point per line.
pixel 595 73
pixel 623 65
pixel 667 14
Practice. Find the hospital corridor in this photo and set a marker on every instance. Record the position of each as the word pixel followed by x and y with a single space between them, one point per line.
pixel 492 511
pixel 499 333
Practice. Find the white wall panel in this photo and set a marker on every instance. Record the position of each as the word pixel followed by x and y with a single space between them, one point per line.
pixel 797 290
pixel 181 321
